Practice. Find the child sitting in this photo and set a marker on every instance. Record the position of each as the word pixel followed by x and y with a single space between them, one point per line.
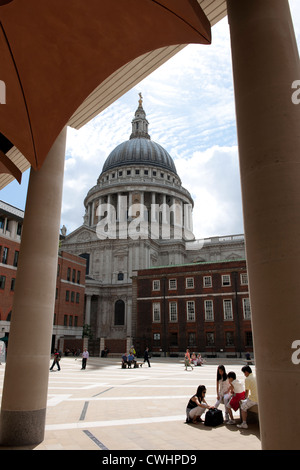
pixel 237 390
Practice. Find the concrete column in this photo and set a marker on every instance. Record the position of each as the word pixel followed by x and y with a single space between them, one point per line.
pixel 265 64
pixel 24 399
pixel 87 319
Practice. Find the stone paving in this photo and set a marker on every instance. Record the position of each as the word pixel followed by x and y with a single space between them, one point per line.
pixel 105 407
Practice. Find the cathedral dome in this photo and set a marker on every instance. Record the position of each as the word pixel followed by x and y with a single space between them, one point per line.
pixel 139 149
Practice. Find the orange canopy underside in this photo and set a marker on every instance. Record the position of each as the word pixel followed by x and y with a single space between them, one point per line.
pixel 55 53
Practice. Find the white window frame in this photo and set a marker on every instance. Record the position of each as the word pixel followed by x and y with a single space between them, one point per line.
pixel 207 281
pixel 227 309
pixel 173 313
pixel 226 283
pixel 156 315
pixel 154 286
pixel 174 287
pixel 189 283
pixel 209 311
pixel 246 308
pixel 244 279
pixel 190 310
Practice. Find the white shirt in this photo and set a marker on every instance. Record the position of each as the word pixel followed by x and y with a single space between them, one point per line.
pixel 85 354
pixel 237 386
pixel 223 386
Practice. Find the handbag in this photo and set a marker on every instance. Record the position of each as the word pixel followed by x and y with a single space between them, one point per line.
pixel 213 417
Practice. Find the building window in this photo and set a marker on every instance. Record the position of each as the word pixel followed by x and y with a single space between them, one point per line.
pixel 172 284
pixel 189 283
pixel 246 308
pixel 173 339
pixel 156 339
pixel 227 309
pixel 77 297
pixel 156 312
pixel 128 172
pixel 210 339
pixel 120 277
pixel 226 280
pixel 78 277
pixel 173 311
pixel 249 339
pixel 72 296
pixel 209 310
pixel 19 229
pixel 70 320
pixel 207 281
pixel 69 274
pixel 67 295
pixel 2 282
pixel 12 284
pixel 65 320
pixel 86 256
pixel 191 339
pixel 229 338
pixel 75 321
pixel 16 258
pixel 73 275
pixel 244 279
pixel 156 285
pixel 190 310
pixel 119 313
pixel 4 255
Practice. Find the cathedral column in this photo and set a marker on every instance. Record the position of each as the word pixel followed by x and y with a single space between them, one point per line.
pixel 265 64
pixel 153 208
pixel 24 399
pixel 87 318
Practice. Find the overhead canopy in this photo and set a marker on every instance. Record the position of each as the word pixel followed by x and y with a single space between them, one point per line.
pixel 55 54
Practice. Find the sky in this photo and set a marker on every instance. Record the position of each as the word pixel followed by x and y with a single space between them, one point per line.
pixel 189 103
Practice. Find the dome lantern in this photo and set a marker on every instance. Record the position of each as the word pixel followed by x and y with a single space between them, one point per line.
pixel 140 123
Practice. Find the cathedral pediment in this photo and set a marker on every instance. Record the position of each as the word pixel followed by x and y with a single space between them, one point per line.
pixel 81 235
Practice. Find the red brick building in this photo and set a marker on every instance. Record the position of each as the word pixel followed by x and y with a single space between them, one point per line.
pixel 68 315
pixel 202 306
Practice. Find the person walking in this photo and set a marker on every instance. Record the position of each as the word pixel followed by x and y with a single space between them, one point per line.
pixel 56 359
pixel 187 360
pixel 85 356
pixel 146 356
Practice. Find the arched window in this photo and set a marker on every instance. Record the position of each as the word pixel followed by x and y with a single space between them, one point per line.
pixel 119 313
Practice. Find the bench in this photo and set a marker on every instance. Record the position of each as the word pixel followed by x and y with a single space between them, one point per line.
pixel 252 415
pixel 249 362
pixel 132 366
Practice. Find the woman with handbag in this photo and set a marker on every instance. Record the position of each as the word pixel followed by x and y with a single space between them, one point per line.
pixel 197 406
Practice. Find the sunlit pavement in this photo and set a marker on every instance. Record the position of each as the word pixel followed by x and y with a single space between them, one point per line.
pixel 105 407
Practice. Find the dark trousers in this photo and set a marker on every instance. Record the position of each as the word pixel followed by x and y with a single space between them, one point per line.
pixel 84 362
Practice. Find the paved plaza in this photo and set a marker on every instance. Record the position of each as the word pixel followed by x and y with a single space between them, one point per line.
pixel 108 408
